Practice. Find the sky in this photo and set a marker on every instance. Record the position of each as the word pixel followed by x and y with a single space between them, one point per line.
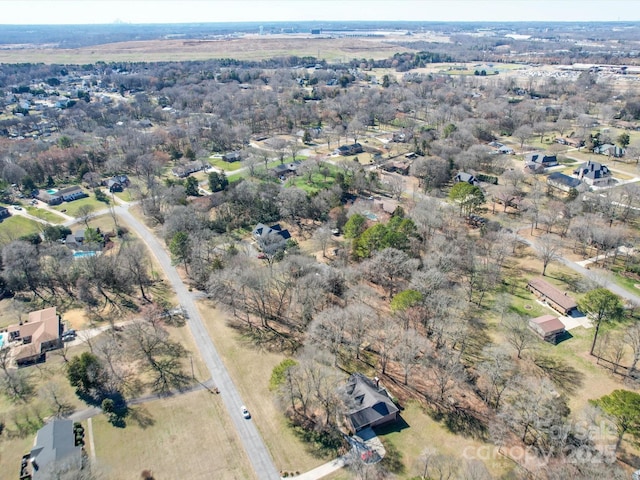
pixel 31 12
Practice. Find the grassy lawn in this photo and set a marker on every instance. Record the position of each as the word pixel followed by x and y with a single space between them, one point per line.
pixel 251 368
pixel 318 182
pixel 16 226
pixel 189 436
pixel 73 207
pixel 45 215
pixel 125 195
pixel 424 433
pixel 226 166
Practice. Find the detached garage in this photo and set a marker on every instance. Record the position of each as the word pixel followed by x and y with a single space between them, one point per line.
pixel 548 327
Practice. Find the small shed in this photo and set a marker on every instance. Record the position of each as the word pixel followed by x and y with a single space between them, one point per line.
pixel 548 327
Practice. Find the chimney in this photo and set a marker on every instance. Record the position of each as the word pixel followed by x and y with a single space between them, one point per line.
pixel 377 380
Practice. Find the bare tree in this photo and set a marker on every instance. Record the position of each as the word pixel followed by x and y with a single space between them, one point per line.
pixel 85 214
pixel 322 237
pixel 547 249
pixel 498 374
pixel 409 351
pixel 395 185
pixel 523 133
pixel 632 338
pixel 517 334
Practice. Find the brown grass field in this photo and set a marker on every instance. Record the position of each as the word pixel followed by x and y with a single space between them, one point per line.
pixel 190 436
pixel 250 47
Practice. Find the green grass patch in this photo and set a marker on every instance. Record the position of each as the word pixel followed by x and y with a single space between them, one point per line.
pixel 126 195
pixel 318 182
pixel 226 166
pixel 47 215
pixel 73 207
pixel 15 227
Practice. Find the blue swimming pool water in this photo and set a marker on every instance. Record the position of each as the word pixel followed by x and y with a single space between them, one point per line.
pixel 84 254
pixel 2 335
pixel 51 191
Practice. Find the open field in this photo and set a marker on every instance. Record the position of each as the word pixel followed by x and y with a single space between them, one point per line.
pixel 251 368
pixel 189 436
pixel 249 47
pixel 16 226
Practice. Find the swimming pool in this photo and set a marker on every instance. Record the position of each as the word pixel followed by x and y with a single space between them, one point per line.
pixel 89 253
pixel 52 191
pixel 2 339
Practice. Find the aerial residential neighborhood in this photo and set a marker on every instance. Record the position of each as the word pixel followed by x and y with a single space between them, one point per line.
pixel 320 249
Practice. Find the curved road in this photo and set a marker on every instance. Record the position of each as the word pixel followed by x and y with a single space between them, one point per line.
pixel 254 446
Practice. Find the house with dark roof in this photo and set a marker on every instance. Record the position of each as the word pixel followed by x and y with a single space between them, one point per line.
pixel 541 159
pixel 117 183
pixel 286 170
pixel 548 327
pixel 4 212
pixel 55 451
pixel 38 335
pixel 466 177
pixel 593 173
pixel 271 239
pixel 563 182
pixel 186 169
pixel 56 197
pixel 571 142
pixel 232 156
pixel 369 404
pixel 352 149
pixel 547 293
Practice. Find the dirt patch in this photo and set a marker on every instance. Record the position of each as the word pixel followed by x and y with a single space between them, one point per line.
pixel 76 319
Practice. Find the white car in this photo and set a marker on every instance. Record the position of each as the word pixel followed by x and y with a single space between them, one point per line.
pixel 245 412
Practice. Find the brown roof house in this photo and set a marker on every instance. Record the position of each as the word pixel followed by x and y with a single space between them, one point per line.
pixel 370 405
pixel 559 301
pixel 39 334
pixel 548 327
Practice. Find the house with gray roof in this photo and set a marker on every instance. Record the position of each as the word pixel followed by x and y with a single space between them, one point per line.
pixel 563 182
pixel 271 239
pixel 593 173
pixel 370 405
pixel 541 159
pixel 55 451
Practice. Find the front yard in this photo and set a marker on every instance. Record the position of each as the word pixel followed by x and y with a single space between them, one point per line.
pixel 188 436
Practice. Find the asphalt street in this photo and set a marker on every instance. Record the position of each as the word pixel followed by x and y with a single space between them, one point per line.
pixel 248 433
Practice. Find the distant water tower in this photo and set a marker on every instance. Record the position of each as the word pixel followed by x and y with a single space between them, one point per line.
pixel 261 30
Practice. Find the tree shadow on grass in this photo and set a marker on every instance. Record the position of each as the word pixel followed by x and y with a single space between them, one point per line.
pixel 461 422
pixel 141 417
pixel 563 375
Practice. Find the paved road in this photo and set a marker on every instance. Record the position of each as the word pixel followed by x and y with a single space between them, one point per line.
pixel 601 280
pixel 254 446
